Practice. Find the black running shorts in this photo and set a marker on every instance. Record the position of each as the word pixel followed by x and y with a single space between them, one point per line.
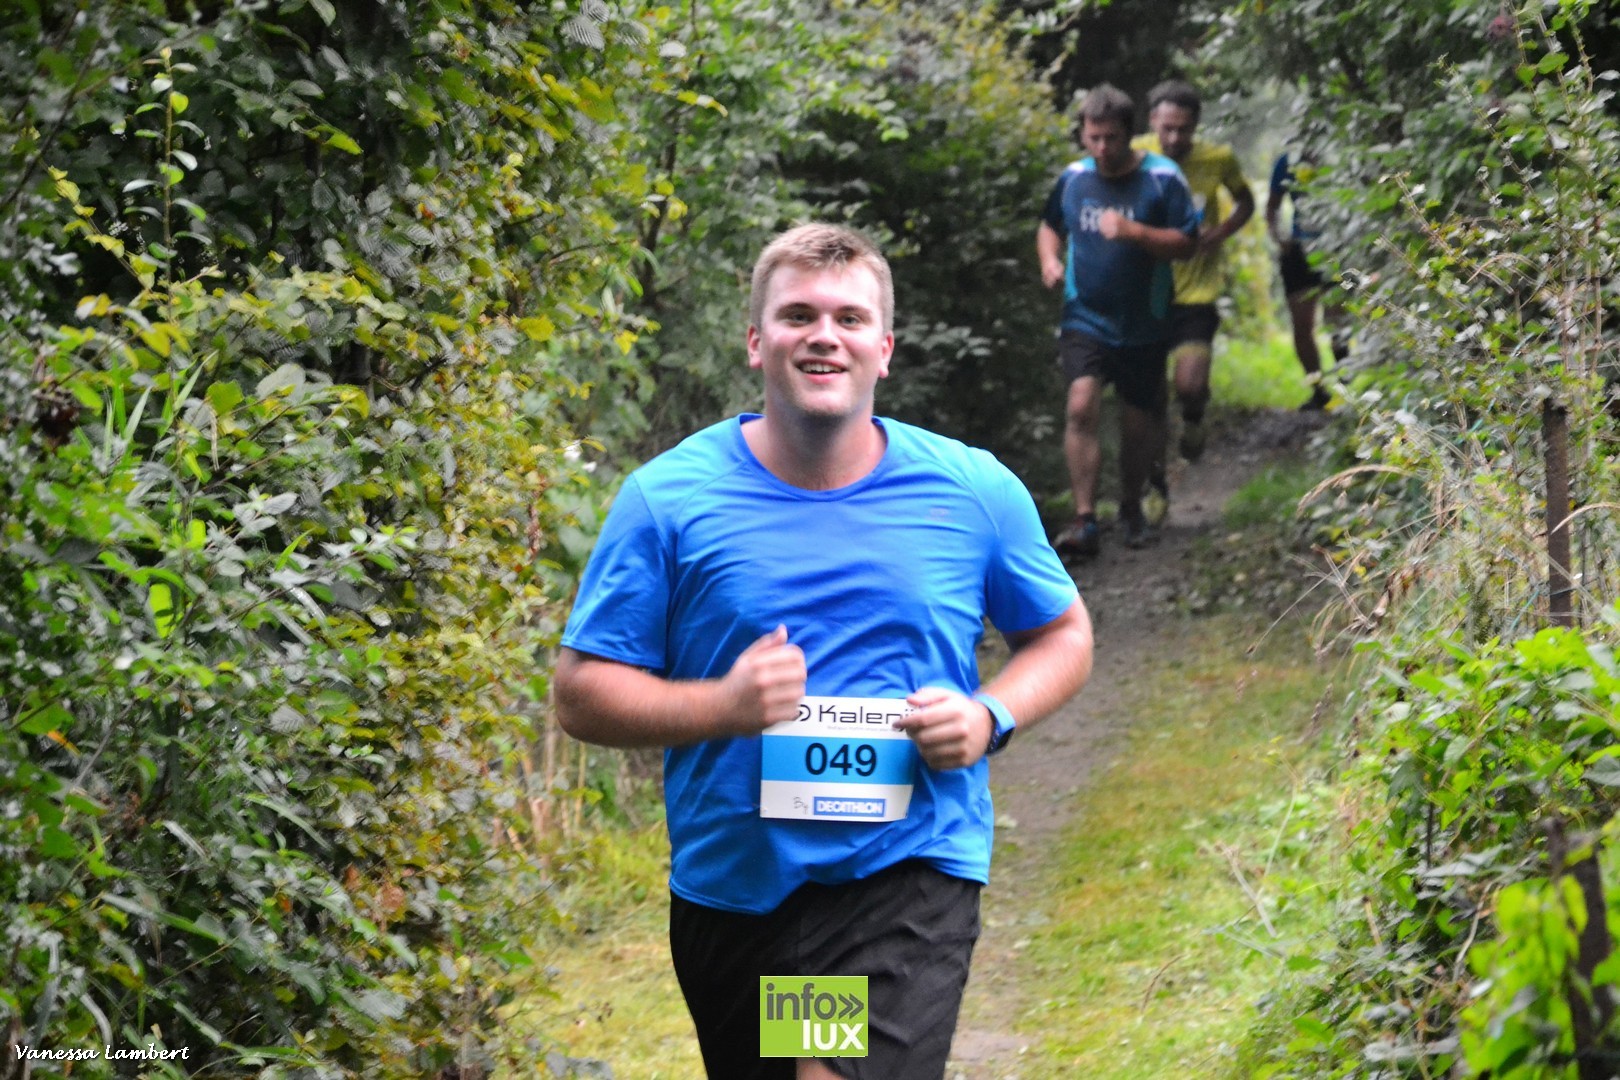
pixel 909 929
pixel 1137 372
pixel 1193 324
pixel 1296 270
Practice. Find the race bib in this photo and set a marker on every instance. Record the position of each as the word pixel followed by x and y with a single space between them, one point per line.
pixel 840 759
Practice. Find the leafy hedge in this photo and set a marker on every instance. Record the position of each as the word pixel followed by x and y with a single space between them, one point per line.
pixel 1484 779
pixel 1465 148
pixel 284 508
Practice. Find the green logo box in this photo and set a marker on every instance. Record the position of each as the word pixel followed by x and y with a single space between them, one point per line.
pixel 812 1016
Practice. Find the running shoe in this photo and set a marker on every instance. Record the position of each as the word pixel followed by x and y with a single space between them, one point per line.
pixel 1139 532
pixel 1080 538
pixel 1192 440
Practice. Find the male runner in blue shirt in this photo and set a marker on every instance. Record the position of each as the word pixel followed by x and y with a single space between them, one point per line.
pixel 817 579
pixel 1111 224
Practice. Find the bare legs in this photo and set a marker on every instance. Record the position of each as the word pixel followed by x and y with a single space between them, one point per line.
pixel 1302 314
pixel 1141 443
pixel 1082 442
pixel 1192 361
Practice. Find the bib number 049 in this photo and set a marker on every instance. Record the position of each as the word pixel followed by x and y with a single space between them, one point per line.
pixel 840 760
pixel 818 760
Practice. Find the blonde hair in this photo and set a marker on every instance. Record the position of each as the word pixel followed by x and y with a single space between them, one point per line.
pixel 819 246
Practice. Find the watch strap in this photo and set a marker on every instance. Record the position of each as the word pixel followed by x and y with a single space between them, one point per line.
pixel 1003 724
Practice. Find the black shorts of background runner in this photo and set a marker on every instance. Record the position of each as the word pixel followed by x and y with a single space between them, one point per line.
pixel 910 929
pixel 1137 371
pixel 1296 270
pixel 1193 324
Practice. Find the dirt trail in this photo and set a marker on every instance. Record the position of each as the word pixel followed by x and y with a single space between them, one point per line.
pixel 1131 595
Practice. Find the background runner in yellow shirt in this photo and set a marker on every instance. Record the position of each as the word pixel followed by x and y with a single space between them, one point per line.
pixel 1173 111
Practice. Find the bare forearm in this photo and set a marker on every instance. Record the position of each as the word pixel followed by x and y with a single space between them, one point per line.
pixel 615 704
pixel 1242 211
pixel 1273 218
pixel 1167 244
pixel 1047 668
pixel 1049 250
pixel 612 704
pixel 1215 237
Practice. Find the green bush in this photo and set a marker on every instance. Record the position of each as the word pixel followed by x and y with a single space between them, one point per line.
pixel 1466 768
pixel 288 515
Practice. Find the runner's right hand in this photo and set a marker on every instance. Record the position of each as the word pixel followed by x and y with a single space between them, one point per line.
pixel 764 685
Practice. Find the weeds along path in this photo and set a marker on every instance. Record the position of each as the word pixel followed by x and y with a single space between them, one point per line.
pixel 1133 597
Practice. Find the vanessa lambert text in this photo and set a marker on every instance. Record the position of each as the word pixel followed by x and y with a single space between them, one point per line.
pixel 152 1052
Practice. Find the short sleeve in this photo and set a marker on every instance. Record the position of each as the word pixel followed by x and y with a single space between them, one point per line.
pixel 622 611
pixel 1180 211
pixel 1279 176
pixel 1232 174
pixel 1027 585
pixel 1052 214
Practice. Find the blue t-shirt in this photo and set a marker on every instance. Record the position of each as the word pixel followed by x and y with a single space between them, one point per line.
pixel 1113 290
pixel 884 584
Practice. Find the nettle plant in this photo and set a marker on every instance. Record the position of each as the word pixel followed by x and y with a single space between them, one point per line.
pixel 267 649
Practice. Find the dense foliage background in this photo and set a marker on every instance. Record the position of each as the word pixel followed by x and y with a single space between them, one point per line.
pixel 1465 159
pixel 327 328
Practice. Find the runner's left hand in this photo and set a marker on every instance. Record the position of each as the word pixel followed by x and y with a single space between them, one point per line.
pixel 951 730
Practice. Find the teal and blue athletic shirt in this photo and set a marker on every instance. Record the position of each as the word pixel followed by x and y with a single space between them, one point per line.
pixel 884 584
pixel 1285 181
pixel 1113 290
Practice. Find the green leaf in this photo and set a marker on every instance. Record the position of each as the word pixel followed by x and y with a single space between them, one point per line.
pixel 223 397
pixel 285 379
pixel 1316 1029
pixel 1604 771
pixel 537 329
pixel 339 141
pixel 160 602
pixel 83 804
pixel 53 717
pixel 58 844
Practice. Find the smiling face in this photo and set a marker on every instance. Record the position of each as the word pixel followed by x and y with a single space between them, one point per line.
pixel 1174 125
pixel 820 343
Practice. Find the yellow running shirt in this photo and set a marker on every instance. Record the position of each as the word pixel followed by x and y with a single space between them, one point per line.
pixel 1209 167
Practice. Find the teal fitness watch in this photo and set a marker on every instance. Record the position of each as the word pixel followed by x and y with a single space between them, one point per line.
pixel 1004 724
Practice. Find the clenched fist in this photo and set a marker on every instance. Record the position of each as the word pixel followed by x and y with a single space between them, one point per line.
pixel 951 730
pixel 764 686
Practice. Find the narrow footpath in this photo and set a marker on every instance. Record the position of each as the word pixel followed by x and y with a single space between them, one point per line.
pixel 1132 597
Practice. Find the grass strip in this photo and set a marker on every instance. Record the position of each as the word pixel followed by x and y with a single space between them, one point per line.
pixel 1167 906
